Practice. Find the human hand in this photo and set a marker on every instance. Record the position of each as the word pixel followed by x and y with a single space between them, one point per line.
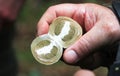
pixel 100 25
pixel 84 73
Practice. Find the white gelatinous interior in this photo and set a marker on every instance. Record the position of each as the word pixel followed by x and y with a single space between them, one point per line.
pixel 45 49
pixel 65 30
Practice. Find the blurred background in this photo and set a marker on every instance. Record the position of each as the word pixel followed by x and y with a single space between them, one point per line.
pixel 26 31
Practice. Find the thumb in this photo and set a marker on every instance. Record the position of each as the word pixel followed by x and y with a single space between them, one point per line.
pixel 84 73
pixel 95 38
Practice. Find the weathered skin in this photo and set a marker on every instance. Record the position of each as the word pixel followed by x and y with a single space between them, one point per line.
pixel 101 28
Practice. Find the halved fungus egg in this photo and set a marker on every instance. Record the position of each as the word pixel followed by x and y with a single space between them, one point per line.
pixel 63 32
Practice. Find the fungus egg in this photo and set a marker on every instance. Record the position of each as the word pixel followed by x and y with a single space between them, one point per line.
pixel 63 32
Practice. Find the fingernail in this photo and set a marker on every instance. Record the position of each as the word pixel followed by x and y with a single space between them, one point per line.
pixel 71 56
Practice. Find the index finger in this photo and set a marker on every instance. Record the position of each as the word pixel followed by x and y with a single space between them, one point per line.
pixel 69 10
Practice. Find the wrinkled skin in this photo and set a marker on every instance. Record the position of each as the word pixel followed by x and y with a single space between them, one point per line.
pixel 101 32
pixel 84 73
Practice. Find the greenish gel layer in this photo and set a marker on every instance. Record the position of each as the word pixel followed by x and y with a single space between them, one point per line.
pixel 58 28
pixel 42 44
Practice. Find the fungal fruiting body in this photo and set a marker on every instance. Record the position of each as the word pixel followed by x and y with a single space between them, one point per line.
pixel 63 32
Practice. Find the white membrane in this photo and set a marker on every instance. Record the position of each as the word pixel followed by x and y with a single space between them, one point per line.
pixel 45 49
pixel 65 30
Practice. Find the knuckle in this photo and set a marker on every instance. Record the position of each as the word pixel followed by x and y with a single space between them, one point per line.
pixel 111 30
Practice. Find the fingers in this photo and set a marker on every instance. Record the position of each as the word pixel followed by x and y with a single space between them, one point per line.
pixel 101 28
pixel 93 39
pixel 84 73
pixel 104 31
pixel 42 27
pixel 69 10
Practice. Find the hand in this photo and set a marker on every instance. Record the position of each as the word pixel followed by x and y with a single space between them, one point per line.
pixel 84 73
pixel 100 25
